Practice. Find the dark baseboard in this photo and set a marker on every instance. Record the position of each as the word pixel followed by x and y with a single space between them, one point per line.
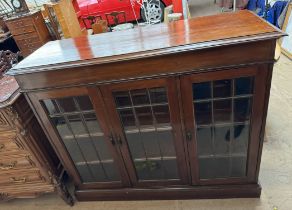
pixel 171 193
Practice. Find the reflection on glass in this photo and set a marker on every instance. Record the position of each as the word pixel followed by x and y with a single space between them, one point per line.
pixel 74 151
pixel 222 111
pixel 222 140
pixel 203 113
pixel 84 103
pixel 87 149
pixel 136 145
pixel 241 137
pixel 165 142
pixel 211 168
pixel 222 115
pixel 222 88
pixel 148 130
pixel 243 86
pixel 92 123
pixel 156 169
pixel 99 172
pixel 149 169
pixel 62 127
pixel 144 115
pixel 170 168
pixel 202 90
pixel 101 148
pixel 204 141
pixel 158 95
pixel 111 171
pixel 238 167
pixel 150 144
pixel 51 106
pixel 79 129
pixel 122 99
pixel 161 114
pixel 85 172
pixel 139 97
pixel 242 109
pixel 67 104
pixel 222 167
pixel 127 117
pixel 76 124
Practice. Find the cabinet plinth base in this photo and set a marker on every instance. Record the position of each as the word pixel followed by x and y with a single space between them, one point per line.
pixel 171 193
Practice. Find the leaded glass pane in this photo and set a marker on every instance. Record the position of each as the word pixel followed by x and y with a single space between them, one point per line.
pixel 147 127
pixel 222 111
pixel 80 131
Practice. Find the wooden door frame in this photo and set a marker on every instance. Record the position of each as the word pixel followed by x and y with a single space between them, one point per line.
pixel 175 118
pixel 260 77
pixel 58 145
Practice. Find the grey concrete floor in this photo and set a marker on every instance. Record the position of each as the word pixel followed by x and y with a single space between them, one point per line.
pixel 275 173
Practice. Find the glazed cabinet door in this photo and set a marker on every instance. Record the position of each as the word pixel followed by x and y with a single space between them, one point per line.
pixel 75 120
pixel 223 116
pixel 146 118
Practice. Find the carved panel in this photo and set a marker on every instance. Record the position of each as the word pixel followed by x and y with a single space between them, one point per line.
pixel 4 120
pixel 18 179
pixel 31 162
pixel 19 127
pixel 8 166
pixel 18 142
pixel 41 176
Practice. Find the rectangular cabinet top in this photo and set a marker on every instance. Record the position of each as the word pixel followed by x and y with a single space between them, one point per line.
pixel 154 40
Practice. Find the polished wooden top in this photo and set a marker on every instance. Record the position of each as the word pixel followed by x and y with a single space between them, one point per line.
pixel 160 39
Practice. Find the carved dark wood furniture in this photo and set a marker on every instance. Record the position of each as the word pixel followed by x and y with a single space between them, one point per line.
pixel 29 166
pixel 165 112
pixel 7 60
pixel 29 31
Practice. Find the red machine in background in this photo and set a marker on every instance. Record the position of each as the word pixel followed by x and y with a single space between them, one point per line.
pixel 134 9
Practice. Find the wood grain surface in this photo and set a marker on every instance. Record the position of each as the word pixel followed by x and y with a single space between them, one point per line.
pixel 158 39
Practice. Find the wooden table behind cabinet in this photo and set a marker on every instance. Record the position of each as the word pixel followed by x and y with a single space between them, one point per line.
pixel 166 112
pixel 29 31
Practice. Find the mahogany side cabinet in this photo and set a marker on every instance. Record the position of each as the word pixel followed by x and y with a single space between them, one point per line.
pixel 171 111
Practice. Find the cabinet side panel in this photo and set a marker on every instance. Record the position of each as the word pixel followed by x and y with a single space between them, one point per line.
pixel 269 69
